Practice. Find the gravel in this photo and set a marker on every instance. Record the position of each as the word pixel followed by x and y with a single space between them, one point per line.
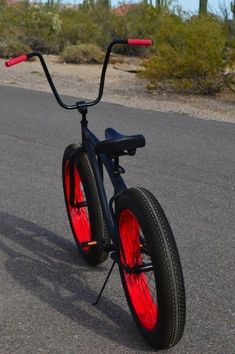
pixel 121 87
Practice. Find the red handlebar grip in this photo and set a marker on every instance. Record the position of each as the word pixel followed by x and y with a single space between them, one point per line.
pixel 145 42
pixel 16 60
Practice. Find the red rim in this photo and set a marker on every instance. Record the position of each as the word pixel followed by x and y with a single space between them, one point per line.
pixel 78 216
pixel 141 287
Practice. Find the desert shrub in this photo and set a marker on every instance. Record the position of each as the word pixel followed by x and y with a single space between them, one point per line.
pixel 78 26
pixel 91 23
pixel 10 24
pixel 189 54
pixel 13 48
pixel 100 14
pixel 50 28
pixel 43 30
pixel 82 53
pixel 36 26
pixel 141 21
pixel 97 23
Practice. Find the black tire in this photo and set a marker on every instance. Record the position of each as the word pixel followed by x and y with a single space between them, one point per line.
pixel 86 222
pixel 156 298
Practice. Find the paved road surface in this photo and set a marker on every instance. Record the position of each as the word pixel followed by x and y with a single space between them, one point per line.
pixel 46 289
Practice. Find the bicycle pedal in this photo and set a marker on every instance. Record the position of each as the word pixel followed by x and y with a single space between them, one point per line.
pixel 88 243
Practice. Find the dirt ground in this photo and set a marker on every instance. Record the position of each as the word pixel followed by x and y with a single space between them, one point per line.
pixel 122 86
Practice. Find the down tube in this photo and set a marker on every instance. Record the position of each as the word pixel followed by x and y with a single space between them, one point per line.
pixel 102 194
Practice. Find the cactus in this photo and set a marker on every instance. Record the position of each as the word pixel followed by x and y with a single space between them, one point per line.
pixel 203 7
pixel 233 9
pixel 161 3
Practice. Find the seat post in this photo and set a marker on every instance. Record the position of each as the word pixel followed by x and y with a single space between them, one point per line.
pixel 117 169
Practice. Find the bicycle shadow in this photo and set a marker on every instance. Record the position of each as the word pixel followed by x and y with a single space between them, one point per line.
pixel 48 266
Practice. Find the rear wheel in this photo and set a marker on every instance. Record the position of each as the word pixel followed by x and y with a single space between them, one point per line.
pixel 85 214
pixel 150 268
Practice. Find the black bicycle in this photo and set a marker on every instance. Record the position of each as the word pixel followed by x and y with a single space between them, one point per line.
pixel 131 227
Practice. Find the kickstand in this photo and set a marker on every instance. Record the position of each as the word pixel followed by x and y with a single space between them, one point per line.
pixel 106 280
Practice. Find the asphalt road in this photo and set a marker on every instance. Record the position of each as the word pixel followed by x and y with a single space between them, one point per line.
pixel 46 289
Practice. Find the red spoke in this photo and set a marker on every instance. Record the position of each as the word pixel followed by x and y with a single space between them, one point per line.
pixel 141 288
pixel 79 216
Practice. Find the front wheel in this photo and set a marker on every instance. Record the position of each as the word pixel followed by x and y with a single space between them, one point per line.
pixel 150 268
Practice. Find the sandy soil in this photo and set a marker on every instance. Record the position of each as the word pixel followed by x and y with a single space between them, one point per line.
pixel 123 87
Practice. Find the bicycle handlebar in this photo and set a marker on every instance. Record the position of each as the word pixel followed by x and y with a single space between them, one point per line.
pixel 144 42
pixel 16 60
pixel 22 58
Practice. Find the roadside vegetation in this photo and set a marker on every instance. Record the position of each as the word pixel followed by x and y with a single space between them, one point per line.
pixel 82 54
pixel 190 53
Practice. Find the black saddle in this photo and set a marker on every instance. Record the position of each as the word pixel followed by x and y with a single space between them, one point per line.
pixel 119 144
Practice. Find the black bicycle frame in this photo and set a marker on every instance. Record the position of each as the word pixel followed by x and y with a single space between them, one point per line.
pixel 89 140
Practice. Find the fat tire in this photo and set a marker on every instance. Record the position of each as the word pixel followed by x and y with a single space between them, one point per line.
pixel 166 268
pixel 93 255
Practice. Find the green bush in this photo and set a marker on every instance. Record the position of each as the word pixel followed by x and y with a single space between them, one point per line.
pixel 82 54
pixel 43 30
pixel 13 48
pixel 189 54
pixel 78 26
pixel 141 21
pixel 96 23
pixel 39 27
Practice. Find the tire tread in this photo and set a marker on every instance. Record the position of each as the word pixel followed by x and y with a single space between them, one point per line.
pixel 166 262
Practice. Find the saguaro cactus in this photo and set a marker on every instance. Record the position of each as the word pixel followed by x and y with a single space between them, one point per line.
pixel 161 3
pixel 233 9
pixel 203 7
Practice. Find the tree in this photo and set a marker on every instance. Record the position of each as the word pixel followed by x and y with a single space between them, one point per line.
pixel 203 7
